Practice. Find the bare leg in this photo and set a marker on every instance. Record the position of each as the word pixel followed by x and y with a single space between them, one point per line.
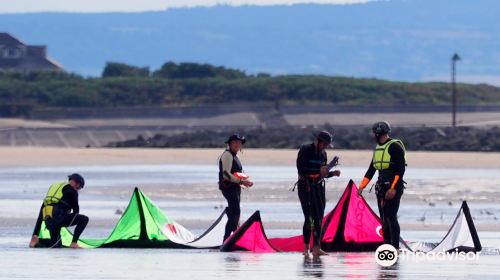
pixel 306 250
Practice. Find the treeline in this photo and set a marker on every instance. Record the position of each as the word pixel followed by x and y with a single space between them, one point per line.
pixel 196 84
pixel 416 139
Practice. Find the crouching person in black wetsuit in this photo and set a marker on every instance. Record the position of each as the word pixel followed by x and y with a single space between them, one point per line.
pixel 389 158
pixel 60 209
pixel 230 180
pixel 311 167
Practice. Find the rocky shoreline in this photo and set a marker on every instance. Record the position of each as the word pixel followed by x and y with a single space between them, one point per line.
pixel 416 139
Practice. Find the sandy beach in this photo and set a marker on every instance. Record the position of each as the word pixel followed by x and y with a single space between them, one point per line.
pixel 38 156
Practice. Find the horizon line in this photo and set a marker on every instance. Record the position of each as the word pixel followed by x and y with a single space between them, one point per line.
pixel 125 10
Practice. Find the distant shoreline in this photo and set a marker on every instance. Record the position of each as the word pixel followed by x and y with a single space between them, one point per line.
pixel 42 156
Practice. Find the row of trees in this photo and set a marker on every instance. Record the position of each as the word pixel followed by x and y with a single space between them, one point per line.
pixel 172 70
pixel 197 84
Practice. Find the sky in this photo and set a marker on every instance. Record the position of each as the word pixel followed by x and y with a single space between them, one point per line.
pixel 93 6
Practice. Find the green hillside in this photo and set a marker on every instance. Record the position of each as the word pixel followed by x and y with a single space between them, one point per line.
pixel 198 84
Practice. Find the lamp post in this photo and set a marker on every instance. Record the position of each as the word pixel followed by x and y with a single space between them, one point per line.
pixel 454 60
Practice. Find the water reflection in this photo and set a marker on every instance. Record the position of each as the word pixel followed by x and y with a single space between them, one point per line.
pixel 231 262
pixel 389 272
pixel 312 267
pixel 232 259
pixel 235 261
pixel 357 265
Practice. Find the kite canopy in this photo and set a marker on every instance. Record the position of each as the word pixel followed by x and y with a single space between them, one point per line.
pixel 462 236
pixel 249 237
pixel 351 226
pixel 143 225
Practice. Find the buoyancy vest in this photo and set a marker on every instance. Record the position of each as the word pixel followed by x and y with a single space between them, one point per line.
pixel 235 167
pixel 52 198
pixel 381 156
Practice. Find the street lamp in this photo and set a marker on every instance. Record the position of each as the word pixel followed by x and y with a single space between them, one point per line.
pixel 454 60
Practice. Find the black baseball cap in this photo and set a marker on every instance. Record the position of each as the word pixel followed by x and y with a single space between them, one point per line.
pixel 236 136
pixel 325 136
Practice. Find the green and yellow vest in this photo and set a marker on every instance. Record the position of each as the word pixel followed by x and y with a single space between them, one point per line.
pixel 381 156
pixel 54 196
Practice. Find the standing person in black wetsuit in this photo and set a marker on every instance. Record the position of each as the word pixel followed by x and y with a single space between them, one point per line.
pixel 311 167
pixel 389 158
pixel 60 209
pixel 231 179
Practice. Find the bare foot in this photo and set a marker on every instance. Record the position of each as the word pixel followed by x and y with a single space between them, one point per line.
pixel 75 245
pixel 318 252
pixel 305 253
pixel 34 241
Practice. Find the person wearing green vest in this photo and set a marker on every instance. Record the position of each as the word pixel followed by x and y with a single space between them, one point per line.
pixel 389 159
pixel 60 209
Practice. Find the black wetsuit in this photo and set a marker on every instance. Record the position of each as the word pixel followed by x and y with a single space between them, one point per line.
pixel 65 214
pixel 388 209
pixel 311 191
pixel 232 192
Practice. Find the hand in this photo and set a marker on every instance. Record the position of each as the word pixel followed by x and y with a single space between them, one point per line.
pixel 34 241
pixel 247 184
pixel 336 173
pixel 360 191
pixel 390 193
pixel 323 171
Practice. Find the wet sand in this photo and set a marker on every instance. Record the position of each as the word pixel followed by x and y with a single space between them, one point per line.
pixel 38 156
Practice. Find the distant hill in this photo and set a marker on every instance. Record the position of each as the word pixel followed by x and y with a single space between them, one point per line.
pixel 397 40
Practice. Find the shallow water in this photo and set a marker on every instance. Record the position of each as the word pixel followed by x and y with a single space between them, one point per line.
pixel 178 264
pixel 33 178
pixel 20 262
pixel 188 193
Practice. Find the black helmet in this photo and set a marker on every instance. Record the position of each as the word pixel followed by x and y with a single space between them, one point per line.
pixel 325 136
pixel 77 178
pixel 236 136
pixel 381 128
